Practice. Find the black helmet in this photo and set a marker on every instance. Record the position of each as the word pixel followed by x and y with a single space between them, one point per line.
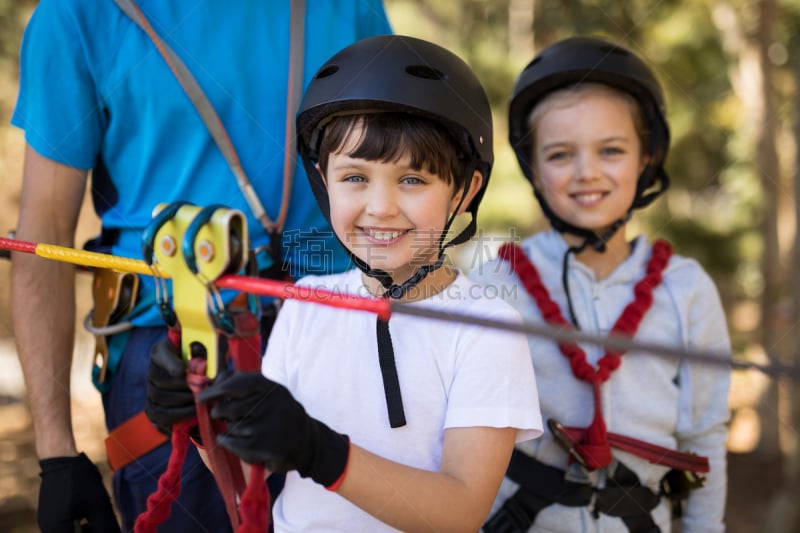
pixel 393 73
pixel 589 59
pixel 402 74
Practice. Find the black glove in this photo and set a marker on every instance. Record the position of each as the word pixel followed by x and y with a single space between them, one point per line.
pixel 267 425
pixel 72 491
pixel 169 399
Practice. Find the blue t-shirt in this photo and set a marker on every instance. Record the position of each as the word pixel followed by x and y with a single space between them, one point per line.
pixel 96 94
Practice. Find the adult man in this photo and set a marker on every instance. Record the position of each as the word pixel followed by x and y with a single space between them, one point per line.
pixel 96 95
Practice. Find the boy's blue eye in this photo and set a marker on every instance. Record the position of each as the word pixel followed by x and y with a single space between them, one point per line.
pixel 412 180
pixel 557 156
pixel 354 179
pixel 613 150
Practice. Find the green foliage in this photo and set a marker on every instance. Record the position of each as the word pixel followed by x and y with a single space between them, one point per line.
pixel 712 210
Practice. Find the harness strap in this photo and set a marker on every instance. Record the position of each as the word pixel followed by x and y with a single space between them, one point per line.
pixel 131 440
pixel 594 447
pixel 542 485
pixel 226 466
pixel 653 453
pixel 214 124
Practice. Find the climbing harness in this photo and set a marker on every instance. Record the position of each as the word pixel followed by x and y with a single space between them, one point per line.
pixel 594 447
pixel 541 485
pixel 590 448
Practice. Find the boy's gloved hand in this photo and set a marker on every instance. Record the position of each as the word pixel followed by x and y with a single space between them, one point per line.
pixel 169 399
pixel 267 425
pixel 72 491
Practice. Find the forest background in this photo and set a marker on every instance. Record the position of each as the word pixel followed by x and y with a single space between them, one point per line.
pixel 731 73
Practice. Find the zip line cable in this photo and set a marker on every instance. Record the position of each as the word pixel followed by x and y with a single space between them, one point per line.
pixel 384 308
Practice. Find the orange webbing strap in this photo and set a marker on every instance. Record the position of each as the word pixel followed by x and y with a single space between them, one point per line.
pixel 131 440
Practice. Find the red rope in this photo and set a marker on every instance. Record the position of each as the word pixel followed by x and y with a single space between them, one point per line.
pixel 594 447
pixel 159 504
pixel 254 506
pixel 245 350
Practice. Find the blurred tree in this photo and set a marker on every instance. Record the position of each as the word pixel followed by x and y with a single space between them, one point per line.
pixel 746 30
pixel 784 514
pixel 13 17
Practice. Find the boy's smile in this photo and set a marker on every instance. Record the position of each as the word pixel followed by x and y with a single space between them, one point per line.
pixel 387 214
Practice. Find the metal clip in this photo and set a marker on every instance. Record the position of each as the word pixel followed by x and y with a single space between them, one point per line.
pixel 562 438
pixel 195 246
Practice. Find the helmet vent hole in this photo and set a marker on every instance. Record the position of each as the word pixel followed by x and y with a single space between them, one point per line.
pixel 330 70
pixel 426 72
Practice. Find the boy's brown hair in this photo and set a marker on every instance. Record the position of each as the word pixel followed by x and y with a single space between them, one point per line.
pixel 387 137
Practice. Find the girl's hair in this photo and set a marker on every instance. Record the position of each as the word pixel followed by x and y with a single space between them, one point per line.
pixel 577 91
pixel 387 137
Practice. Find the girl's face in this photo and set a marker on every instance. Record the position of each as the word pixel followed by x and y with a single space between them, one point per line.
pixel 587 157
pixel 387 214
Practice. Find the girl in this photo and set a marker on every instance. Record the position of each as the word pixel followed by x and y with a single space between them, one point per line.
pixel 587 123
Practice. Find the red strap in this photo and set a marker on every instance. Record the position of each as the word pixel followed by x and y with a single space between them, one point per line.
pixel 254 507
pixel 225 466
pixel 131 440
pixel 651 452
pixel 594 446
pixel 245 351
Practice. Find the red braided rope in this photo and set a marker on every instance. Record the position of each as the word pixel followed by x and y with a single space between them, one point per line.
pixel 594 447
pixel 159 503
pixel 254 506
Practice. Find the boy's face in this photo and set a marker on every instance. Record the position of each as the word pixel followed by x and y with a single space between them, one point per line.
pixel 387 214
pixel 587 158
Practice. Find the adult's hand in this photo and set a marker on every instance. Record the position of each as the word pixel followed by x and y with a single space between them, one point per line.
pixel 72 491
pixel 267 425
pixel 169 399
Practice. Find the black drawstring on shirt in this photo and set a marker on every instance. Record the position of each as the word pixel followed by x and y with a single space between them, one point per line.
pixel 565 281
pixel 391 383
pixel 598 242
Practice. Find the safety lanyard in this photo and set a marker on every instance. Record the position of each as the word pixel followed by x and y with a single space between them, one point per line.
pixel 213 122
pixel 595 449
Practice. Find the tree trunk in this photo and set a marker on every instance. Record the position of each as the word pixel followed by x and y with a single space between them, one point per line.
pixel 769 171
pixel 784 514
pixel 745 31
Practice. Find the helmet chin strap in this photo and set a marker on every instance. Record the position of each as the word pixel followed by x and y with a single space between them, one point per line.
pixel 397 291
pixel 590 238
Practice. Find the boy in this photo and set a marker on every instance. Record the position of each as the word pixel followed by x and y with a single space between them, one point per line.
pixel 411 430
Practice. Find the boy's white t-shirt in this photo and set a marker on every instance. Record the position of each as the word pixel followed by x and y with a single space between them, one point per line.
pixel 450 374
